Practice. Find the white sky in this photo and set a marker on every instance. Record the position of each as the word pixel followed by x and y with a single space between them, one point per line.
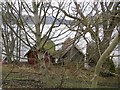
pixel 65 0
pixel 65 35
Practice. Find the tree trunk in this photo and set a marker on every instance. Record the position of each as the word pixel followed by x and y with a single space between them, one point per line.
pixel 103 58
pixel 0 43
pixel 0 37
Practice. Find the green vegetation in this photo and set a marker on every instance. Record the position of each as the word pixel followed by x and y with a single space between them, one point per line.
pixel 48 45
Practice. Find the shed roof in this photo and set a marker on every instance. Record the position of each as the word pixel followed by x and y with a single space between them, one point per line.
pixel 62 52
pixel 71 46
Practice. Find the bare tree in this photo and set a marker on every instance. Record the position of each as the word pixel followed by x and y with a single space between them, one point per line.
pixel 100 21
pixel 26 24
pixel 96 22
pixel 103 58
pixel 0 38
pixel 8 37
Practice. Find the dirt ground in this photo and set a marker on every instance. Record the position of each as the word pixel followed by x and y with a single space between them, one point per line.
pixel 30 76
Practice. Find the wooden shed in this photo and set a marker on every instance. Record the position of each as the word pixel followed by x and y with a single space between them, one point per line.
pixel 73 53
pixel 48 48
pixel 32 56
pixel 70 52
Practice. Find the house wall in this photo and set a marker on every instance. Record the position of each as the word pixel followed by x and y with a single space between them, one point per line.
pixel 74 55
pixel 77 55
pixel 32 57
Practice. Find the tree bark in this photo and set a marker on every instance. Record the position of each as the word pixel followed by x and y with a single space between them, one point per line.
pixel 0 37
pixel 0 43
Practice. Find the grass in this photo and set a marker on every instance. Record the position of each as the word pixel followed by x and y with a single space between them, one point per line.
pixel 63 77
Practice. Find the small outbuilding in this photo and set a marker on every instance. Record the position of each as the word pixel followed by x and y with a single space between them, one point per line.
pixel 32 56
pixel 73 53
pixel 70 52
pixel 49 48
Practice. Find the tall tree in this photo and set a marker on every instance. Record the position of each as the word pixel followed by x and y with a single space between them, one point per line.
pixel 7 35
pixel 103 58
pixel 20 23
pixel 0 37
pixel 100 21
